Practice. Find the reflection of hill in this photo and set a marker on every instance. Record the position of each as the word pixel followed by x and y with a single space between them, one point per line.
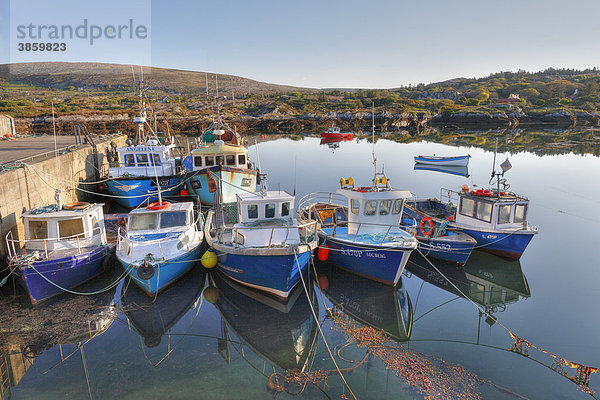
pixel 534 140
pixel 282 333
pixel 368 302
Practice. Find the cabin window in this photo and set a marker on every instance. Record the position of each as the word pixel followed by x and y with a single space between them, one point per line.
pixel 520 213
pixel 467 207
pixel 484 211
pixel 370 207
pixel 504 214
pixel 142 159
pixel 384 207
pixel 155 159
pixel 230 159
pixel 209 161
pixel 70 228
pixel 197 161
pixel 38 230
pixel 242 159
pixel 95 226
pixel 129 160
pixel 355 206
pixel 173 219
pixel 239 239
pixel 253 211
pixel 285 209
pixel 143 222
pixel 219 160
pixel 398 206
pixel 269 210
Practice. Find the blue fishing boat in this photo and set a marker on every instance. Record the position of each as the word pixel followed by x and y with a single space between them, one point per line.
pixel 455 161
pixel 359 228
pixel 259 243
pixel 220 151
pixel 496 218
pixel 64 246
pixel 160 244
pixel 140 169
pixel 439 241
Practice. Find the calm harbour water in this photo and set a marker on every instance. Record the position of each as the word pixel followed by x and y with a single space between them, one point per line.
pixel 231 344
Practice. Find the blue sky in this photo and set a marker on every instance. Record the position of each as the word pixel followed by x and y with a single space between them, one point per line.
pixel 352 43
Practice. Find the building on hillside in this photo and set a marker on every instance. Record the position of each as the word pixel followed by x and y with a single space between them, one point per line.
pixel 7 126
pixel 510 99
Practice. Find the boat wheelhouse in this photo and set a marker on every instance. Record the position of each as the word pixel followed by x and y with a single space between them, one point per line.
pixel 359 228
pixel 228 161
pixel 161 243
pixel 259 242
pixel 64 246
pixel 141 169
pixel 497 220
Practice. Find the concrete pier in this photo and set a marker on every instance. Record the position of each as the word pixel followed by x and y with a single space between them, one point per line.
pixel 33 181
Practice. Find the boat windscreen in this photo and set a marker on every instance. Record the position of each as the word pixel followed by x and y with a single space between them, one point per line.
pixel 143 222
pixel 172 219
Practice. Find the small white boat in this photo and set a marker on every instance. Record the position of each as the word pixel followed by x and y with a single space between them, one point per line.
pixel 456 161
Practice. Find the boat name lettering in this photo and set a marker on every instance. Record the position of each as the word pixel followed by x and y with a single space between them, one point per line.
pixel 489 236
pixel 375 255
pixel 442 246
pixel 352 253
pixel 135 149
pixel 348 302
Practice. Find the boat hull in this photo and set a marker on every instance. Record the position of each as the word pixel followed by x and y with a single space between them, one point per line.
pixel 234 181
pixel 66 272
pixel 509 245
pixel 461 161
pixel 447 249
pixel 274 274
pixel 383 265
pixel 132 192
pixel 165 272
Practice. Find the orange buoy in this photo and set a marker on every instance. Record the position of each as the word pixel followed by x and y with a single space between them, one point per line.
pixel 184 192
pixel 323 282
pixel 323 253
pixel 76 206
pixel 158 206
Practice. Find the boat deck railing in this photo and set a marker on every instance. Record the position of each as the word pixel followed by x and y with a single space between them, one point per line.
pixel 449 196
pixel 14 246
pixel 322 197
pixel 307 234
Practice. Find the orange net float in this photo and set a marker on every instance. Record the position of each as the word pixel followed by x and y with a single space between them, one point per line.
pixel 426 231
pixel 158 205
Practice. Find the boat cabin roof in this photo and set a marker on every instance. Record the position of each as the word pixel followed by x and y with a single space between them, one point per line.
pixel 268 197
pixel 370 194
pixel 505 197
pixel 172 207
pixel 220 149
pixel 38 214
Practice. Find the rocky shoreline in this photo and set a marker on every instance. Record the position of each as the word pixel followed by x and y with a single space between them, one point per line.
pixel 311 122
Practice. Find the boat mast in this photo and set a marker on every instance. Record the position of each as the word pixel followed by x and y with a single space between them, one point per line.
pixel 57 190
pixel 373 140
pixel 141 119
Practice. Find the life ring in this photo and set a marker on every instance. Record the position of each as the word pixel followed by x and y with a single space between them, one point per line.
pixel 450 218
pixel 158 205
pixel 76 206
pixel 362 189
pixel 426 231
pixel 481 192
pixel 212 185
pixel 145 271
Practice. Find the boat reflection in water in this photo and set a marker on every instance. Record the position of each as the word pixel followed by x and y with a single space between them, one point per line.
pixel 452 170
pixel 67 322
pixel 283 334
pixel 334 143
pixel 151 317
pixel 368 302
pixel 487 280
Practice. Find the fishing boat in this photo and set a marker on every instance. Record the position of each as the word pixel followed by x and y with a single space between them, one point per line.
pixel 220 150
pixel 358 227
pixel 258 241
pixel 145 164
pixel 333 132
pixel 284 334
pixel 367 302
pixel 160 244
pixel 451 170
pixel 64 246
pixel 456 161
pixel 496 218
pixel 440 242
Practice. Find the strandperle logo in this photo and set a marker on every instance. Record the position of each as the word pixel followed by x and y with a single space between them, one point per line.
pixel 84 31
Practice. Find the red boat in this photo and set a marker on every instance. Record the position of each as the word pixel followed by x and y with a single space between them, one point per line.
pixel 334 133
